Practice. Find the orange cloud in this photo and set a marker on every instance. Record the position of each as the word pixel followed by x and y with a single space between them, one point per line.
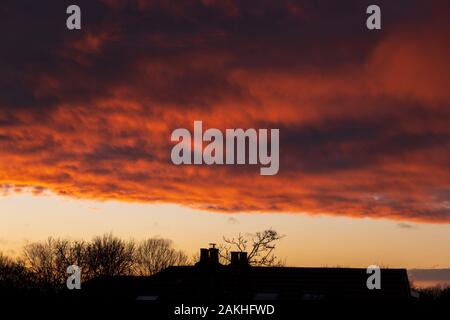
pixel 363 120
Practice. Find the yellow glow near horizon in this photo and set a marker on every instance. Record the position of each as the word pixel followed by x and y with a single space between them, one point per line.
pixel 309 241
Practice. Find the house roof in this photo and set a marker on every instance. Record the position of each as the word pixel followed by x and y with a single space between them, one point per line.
pixel 223 283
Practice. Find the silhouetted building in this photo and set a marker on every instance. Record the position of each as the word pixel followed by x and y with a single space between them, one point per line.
pixel 210 281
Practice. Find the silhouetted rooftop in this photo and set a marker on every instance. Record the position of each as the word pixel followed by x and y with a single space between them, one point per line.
pixel 227 283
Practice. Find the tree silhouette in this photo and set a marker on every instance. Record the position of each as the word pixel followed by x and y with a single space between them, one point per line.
pixel 154 255
pixel 259 247
pixel 110 256
pixel 14 276
pixel 104 255
pixel 48 261
pixel 40 258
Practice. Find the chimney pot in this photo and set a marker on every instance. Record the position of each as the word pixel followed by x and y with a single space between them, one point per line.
pixel 214 255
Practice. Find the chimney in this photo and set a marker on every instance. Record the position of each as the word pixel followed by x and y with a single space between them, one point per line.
pixel 234 258
pixel 204 256
pixel 209 257
pixel 213 254
pixel 239 259
pixel 243 259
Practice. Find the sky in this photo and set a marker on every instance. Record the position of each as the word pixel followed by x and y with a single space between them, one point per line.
pixel 86 118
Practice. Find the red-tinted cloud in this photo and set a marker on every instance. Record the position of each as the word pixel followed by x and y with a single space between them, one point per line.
pixel 363 115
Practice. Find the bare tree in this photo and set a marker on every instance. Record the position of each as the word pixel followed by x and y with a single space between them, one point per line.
pixel 154 255
pixel 40 259
pixel 70 252
pixel 48 261
pixel 104 255
pixel 259 246
pixel 14 275
pixel 109 255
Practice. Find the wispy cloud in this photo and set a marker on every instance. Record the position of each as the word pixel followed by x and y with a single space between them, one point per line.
pixel 407 226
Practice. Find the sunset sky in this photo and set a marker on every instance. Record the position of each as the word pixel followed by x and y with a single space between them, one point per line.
pixel 364 118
